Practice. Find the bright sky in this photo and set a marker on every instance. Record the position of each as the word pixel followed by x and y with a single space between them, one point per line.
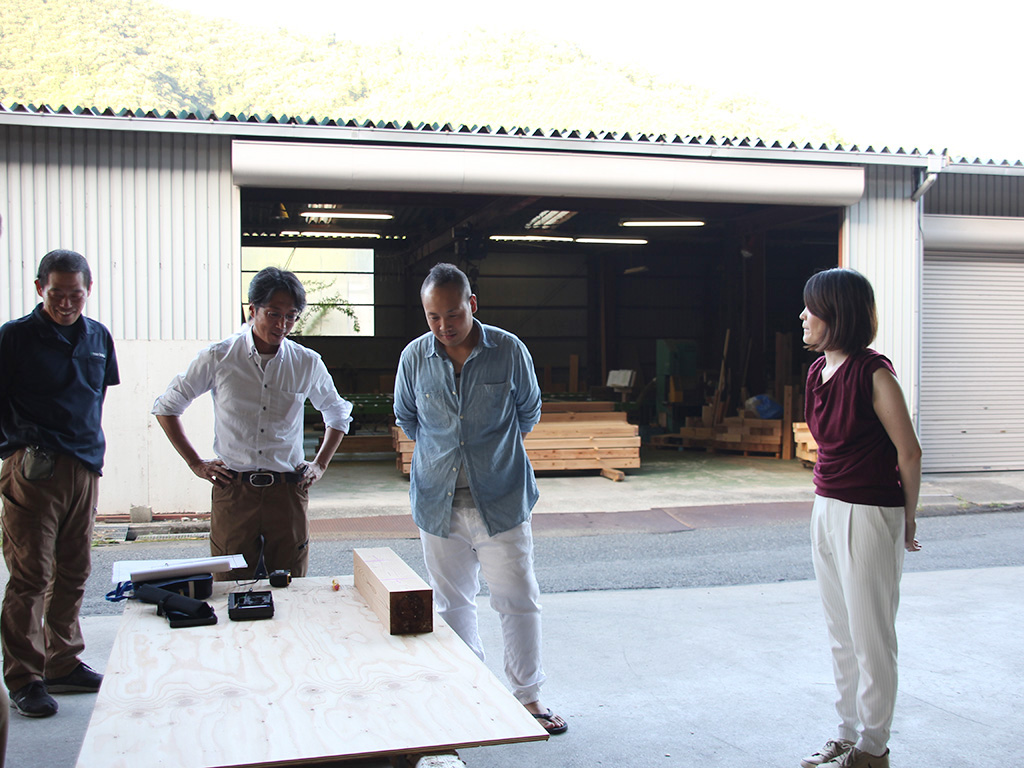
pixel 904 73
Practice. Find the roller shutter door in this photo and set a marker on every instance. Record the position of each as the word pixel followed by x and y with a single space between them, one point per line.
pixel 972 362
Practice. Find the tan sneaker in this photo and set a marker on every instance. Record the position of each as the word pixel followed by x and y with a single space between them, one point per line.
pixel 856 758
pixel 833 748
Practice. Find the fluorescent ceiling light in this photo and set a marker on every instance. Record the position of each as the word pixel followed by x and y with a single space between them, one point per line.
pixel 661 223
pixel 556 239
pixel 610 241
pixel 531 238
pixel 549 219
pixel 328 233
pixel 364 215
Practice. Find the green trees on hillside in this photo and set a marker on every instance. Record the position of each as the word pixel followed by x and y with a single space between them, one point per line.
pixel 139 54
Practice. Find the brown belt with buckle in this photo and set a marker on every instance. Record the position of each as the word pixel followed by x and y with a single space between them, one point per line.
pixel 261 479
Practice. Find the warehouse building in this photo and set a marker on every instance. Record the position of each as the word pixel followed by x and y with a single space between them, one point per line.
pixel 604 252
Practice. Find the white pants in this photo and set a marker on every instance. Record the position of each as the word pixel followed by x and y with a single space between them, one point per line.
pixel 454 565
pixel 858 560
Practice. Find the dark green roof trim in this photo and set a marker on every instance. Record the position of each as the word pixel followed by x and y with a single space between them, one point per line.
pixel 243 125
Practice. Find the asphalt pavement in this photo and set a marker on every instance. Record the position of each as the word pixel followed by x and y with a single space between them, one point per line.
pixel 682 624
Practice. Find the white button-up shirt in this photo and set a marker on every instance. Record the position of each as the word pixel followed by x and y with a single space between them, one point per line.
pixel 257 412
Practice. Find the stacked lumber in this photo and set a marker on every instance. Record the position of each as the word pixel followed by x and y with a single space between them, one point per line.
pixel 806 447
pixel 696 434
pixel 749 435
pixel 744 433
pixel 570 435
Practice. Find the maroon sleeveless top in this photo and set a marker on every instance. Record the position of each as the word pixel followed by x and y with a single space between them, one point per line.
pixel 856 459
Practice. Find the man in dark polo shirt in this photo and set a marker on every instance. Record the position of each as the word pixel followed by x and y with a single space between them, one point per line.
pixel 55 367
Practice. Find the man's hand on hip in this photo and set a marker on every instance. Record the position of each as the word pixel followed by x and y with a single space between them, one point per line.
pixel 213 471
pixel 310 474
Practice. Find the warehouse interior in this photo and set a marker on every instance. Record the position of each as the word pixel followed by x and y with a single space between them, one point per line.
pixel 588 293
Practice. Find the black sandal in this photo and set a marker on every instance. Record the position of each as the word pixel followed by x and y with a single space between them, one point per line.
pixel 550 726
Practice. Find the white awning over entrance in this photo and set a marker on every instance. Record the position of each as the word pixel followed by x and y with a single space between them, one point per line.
pixel 550 174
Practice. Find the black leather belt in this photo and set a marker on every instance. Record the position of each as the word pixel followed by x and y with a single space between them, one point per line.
pixel 266 479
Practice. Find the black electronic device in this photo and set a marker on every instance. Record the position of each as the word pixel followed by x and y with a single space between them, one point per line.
pixel 246 606
pixel 280 578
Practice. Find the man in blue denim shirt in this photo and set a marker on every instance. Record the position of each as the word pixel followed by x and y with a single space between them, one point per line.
pixel 467 394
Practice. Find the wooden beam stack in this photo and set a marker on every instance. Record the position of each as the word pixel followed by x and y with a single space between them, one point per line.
pixel 806 447
pixel 570 435
pixel 741 433
pixel 744 433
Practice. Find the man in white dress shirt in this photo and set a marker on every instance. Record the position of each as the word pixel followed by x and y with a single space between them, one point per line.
pixel 259 380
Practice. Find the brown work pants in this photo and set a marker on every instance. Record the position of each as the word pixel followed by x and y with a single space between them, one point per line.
pixel 47 528
pixel 242 513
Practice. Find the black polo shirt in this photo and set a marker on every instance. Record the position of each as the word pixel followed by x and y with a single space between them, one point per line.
pixel 51 390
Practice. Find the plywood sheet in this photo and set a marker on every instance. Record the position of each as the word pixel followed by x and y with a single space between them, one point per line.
pixel 320 680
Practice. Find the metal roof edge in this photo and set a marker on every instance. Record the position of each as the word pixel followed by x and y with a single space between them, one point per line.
pixel 463 137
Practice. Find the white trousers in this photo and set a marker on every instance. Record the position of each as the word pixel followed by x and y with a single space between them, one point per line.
pixel 858 561
pixel 506 560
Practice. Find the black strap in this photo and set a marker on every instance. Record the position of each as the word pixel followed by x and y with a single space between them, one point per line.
pixel 261 566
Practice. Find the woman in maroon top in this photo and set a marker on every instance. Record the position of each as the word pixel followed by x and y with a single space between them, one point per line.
pixel 867 478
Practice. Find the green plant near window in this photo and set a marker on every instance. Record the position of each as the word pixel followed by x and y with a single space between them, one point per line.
pixel 317 310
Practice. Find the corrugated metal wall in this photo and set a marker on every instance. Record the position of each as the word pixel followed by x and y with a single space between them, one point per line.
pixel 881 239
pixel 960 194
pixel 156 215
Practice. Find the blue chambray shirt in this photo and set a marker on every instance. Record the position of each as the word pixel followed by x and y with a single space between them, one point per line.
pixel 478 424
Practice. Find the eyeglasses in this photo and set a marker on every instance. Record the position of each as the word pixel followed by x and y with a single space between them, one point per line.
pixel 290 318
pixel 74 297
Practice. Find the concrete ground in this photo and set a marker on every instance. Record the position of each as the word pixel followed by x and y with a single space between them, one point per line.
pixel 721 676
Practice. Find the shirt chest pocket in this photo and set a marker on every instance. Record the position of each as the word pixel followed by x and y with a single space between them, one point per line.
pixel 286 407
pixel 490 403
pixel 433 410
pixel 92 369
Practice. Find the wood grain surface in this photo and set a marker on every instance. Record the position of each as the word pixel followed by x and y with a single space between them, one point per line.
pixel 403 602
pixel 322 679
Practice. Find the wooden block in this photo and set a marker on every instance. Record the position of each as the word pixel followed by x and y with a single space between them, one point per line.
pixel 613 474
pixel 806 454
pixel 399 597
